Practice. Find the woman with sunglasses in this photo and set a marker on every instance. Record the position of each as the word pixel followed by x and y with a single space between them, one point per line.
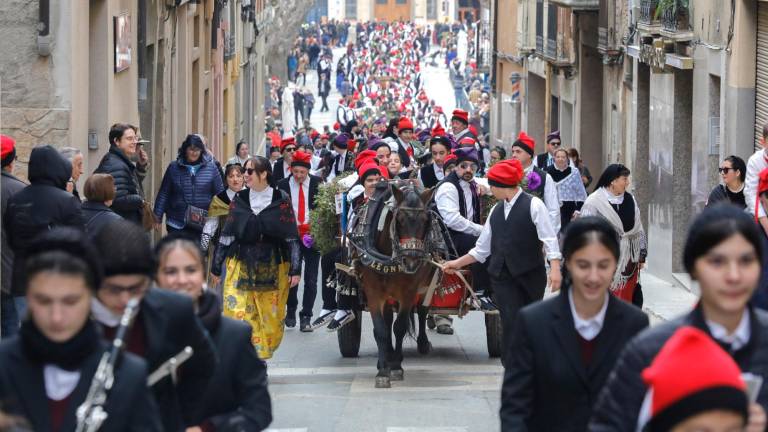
pixel 733 172
pixel 261 258
pixel 219 210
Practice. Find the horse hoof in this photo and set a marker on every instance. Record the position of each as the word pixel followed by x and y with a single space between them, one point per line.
pixel 425 348
pixel 396 375
pixel 383 382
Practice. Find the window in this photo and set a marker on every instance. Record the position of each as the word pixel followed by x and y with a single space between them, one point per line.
pixel 431 9
pixel 381 1
pixel 350 9
pixel 401 1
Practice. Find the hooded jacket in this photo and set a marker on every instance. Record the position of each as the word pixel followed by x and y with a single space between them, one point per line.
pixel 180 188
pixel 42 205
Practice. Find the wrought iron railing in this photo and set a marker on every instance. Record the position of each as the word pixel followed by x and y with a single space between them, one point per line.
pixel 602 38
pixel 675 18
pixel 648 12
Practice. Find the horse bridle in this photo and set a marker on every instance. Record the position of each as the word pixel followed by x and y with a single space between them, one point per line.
pixel 406 247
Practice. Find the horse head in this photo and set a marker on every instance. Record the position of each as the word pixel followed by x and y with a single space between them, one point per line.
pixel 410 225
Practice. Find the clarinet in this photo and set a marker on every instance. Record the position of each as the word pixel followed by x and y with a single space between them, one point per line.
pixel 91 414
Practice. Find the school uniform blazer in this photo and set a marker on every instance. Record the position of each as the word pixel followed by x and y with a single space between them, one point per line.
pixel 237 398
pixel 130 405
pixel 547 386
pixel 170 325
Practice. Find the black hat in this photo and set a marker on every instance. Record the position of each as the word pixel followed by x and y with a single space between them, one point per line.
pixel 124 249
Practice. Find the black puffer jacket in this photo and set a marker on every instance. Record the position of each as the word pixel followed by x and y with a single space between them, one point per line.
pixel 129 197
pixel 42 205
pixel 96 216
pixel 620 400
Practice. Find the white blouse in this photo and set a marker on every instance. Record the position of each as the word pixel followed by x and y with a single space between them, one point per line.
pixel 260 200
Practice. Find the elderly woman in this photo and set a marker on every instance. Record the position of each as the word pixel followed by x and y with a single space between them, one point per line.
pixel 570 189
pixel 612 201
pixel 241 154
pixel 189 184
pixel 75 157
pixel 99 194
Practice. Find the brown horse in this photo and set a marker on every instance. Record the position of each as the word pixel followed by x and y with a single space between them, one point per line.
pixel 409 224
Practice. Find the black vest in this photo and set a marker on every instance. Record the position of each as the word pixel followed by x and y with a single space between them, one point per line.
pixel 626 211
pixel 453 179
pixel 428 176
pixel 539 191
pixel 515 242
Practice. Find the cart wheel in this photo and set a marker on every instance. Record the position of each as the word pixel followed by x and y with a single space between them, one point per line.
pixel 494 334
pixel 349 336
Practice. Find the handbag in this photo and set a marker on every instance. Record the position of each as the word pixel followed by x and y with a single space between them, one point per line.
pixel 147 217
pixel 195 217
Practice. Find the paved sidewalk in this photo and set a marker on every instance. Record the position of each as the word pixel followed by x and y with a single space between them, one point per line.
pixel 664 300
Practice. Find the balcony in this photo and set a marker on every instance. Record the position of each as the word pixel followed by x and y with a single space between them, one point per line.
pixel 602 39
pixel 540 27
pixel 675 20
pixel 578 5
pixel 229 47
pixel 648 21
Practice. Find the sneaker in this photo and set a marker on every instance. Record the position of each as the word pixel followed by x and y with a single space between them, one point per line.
pixel 305 326
pixel 336 324
pixel 323 319
pixel 290 319
pixel 487 304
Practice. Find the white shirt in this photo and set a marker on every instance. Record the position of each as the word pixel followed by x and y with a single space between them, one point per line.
pixel 439 172
pixel 59 383
pixel 294 185
pixel 447 200
pixel 755 164
pixel 588 328
pixel 550 199
pixel 260 200
pixel 342 158
pixel 739 338
pixel 544 229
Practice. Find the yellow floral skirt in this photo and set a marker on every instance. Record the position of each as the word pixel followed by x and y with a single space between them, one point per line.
pixel 263 310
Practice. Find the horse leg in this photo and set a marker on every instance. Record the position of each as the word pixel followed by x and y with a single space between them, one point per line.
pixel 381 333
pixel 387 315
pixel 422 341
pixel 400 328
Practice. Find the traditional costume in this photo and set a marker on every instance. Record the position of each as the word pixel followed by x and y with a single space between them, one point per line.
pixel 511 241
pixel 570 192
pixel 538 183
pixel 624 214
pixel 263 254
pixel 217 215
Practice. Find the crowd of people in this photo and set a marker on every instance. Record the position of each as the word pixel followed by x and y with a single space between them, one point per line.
pixel 81 280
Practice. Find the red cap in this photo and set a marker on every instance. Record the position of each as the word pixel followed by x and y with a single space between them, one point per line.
pixel 404 124
pixel 336 126
pixel 324 137
pixel 286 142
pixel 314 134
pixel 691 374
pixel 506 173
pixel 302 159
pixel 7 146
pixel 365 156
pixel 438 109
pixel 460 115
pixel 367 169
pixel 451 158
pixel 525 142
pixel 384 172
pixel 438 130
pixel 467 142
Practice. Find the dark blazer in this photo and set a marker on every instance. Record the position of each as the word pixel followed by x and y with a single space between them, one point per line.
pixel 278 171
pixel 130 405
pixel 620 401
pixel 237 398
pixel 547 386
pixel 541 160
pixel 170 325
pixel 314 183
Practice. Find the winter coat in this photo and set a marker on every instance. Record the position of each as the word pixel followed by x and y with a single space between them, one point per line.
pixel 129 197
pixel 620 400
pixel 42 205
pixel 181 189
pixel 96 215
pixel 10 187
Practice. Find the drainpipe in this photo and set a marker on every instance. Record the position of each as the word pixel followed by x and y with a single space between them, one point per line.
pixel 44 39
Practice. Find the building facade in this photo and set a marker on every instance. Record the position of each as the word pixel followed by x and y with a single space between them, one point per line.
pixel 171 68
pixel 646 83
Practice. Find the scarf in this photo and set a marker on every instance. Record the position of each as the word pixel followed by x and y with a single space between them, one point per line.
pixel 631 241
pixel 570 187
pixel 67 355
pixel 557 174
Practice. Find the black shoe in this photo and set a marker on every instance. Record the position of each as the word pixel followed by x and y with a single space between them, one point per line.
pixel 323 320
pixel 445 329
pixel 290 319
pixel 337 324
pixel 305 326
pixel 487 305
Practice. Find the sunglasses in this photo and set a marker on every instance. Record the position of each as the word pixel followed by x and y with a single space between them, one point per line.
pixel 250 171
pixel 725 170
pixel 290 149
pixel 468 165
